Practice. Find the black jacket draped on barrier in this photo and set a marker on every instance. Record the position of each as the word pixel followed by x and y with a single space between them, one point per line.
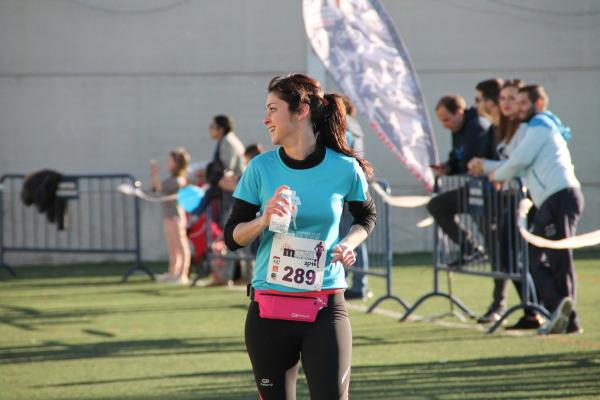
pixel 39 188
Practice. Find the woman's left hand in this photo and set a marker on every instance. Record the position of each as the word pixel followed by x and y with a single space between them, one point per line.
pixel 343 254
pixel 497 185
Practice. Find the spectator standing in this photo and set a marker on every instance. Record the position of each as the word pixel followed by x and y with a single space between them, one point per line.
pixel 544 160
pixel 174 219
pixel 229 149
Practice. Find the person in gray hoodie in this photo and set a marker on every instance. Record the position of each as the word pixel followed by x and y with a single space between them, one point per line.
pixel 542 158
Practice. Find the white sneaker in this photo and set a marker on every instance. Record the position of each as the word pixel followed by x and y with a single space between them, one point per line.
pixel 560 318
pixel 183 281
pixel 164 277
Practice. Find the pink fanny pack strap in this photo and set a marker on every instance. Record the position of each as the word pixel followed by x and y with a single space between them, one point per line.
pixel 300 306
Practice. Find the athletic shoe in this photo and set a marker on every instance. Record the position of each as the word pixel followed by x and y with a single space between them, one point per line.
pixel 352 295
pixel 183 281
pixel 165 278
pixel 490 316
pixel 560 318
pixel 575 330
pixel 466 258
pixel 573 326
pixel 527 322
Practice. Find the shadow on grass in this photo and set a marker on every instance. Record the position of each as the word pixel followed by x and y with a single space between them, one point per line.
pixel 31 319
pixel 55 350
pixel 543 376
pixel 232 384
pixel 100 269
pixel 547 376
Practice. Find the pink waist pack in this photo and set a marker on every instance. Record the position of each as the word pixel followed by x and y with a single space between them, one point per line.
pixel 302 307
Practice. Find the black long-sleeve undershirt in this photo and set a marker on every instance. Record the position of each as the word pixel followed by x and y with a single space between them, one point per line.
pixel 363 212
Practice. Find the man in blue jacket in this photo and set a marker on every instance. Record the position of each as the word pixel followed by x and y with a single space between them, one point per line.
pixel 468 135
pixel 542 158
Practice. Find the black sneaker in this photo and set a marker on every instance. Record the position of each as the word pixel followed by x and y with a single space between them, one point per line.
pixel 574 329
pixel 352 295
pixel 490 316
pixel 560 318
pixel 467 258
pixel 574 326
pixel 527 322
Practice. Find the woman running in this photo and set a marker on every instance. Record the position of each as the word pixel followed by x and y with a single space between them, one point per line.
pixel 297 312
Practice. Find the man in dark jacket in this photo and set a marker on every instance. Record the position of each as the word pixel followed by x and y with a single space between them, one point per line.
pixel 468 135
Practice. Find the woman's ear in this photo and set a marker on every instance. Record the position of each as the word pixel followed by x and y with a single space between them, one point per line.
pixel 303 111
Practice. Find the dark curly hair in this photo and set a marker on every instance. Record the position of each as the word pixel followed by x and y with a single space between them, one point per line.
pixel 327 112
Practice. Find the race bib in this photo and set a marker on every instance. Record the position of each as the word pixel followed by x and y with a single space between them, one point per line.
pixel 297 262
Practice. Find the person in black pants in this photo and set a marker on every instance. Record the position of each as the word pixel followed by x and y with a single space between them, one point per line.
pixel 503 109
pixel 468 135
pixel 544 161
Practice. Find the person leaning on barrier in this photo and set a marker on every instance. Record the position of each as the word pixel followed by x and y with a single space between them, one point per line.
pixel 487 99
pixel 544 160
pixel 505 137
pixel 487 95
pixel 468 135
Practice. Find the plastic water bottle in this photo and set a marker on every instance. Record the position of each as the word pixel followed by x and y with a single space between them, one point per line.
pixel 281 224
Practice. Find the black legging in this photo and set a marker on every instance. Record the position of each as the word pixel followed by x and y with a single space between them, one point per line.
pixel 506 250
pixel 324 346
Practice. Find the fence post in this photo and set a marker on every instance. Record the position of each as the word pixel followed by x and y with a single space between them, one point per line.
pixel 388 260
pixel 2 263
pixel 139 265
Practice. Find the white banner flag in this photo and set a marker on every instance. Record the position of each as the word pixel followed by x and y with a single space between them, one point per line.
pixel 366 58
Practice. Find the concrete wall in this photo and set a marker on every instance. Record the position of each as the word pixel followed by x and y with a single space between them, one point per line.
pixel 104 85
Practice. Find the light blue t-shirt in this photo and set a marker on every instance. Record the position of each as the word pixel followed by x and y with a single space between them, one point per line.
pixel 322 190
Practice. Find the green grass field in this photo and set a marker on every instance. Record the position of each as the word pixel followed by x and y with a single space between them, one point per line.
pixel 75 332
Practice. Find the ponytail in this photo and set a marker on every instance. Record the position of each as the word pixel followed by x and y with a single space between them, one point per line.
pixel 327 112
pixel 330 123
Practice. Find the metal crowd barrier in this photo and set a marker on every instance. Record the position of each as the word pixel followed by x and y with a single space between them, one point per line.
pixel 100 220
pixel 489 217
pixel 379 248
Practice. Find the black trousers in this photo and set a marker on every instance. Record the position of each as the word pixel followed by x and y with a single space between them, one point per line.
pixel 553 270
pixel 324 346
pixel 507 250
pixel 445 206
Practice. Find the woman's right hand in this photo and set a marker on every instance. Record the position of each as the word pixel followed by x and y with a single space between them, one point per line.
pixel 475 166
pixel 277 205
